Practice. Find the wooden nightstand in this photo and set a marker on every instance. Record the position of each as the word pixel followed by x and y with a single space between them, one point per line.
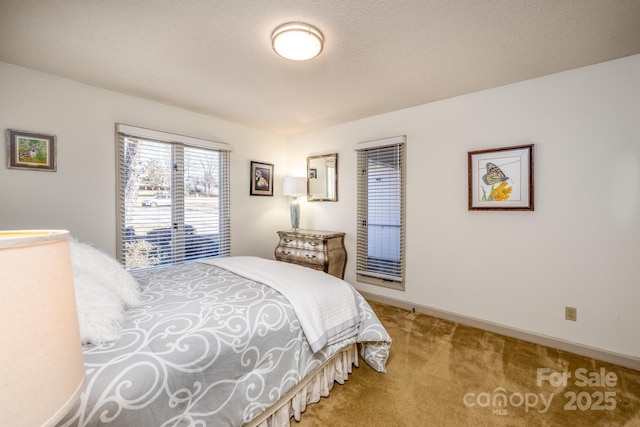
pixel 320 250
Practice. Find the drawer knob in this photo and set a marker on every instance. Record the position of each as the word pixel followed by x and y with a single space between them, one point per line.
pixel 288 240
pixel 310 256
pixel 313 243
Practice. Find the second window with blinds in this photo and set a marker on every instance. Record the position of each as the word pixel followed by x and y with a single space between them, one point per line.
pixel 174 198
pixel 381 200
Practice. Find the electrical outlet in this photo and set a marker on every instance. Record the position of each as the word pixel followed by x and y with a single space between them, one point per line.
pixel 571 313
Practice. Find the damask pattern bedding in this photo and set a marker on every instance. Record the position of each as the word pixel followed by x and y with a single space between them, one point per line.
pixel 207 347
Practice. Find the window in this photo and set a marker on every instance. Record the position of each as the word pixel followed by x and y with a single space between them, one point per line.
pixel 173 198
pixel 381 198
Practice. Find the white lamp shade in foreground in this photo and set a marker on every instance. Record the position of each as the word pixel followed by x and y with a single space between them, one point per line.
pixel 41 366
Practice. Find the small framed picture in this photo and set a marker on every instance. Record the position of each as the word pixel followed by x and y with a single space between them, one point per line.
pixel 261 179
pixel 313 173
pixel 29 150
pixel 501 179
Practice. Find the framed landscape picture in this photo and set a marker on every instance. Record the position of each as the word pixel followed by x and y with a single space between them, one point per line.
pixel 261 179
pixel 501 178
pixel 33 151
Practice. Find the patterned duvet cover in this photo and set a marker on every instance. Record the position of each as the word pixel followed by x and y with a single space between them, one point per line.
pixel 206 347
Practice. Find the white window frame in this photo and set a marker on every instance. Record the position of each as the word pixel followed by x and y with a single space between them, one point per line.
pixel 178 144
pixel 380 257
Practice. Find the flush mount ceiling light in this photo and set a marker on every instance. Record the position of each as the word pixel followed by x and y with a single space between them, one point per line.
pixel 297 41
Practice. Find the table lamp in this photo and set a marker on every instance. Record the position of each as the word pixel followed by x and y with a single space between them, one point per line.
pixel 294 186
pixel 41 367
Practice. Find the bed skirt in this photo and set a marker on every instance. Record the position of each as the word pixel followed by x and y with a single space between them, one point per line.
pixel 314 386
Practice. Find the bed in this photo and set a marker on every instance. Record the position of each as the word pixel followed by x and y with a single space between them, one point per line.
pixel 235 341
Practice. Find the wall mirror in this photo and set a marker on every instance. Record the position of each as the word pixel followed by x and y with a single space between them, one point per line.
pixel 322 178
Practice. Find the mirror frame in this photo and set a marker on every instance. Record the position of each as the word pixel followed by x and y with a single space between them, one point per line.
pixel 310 198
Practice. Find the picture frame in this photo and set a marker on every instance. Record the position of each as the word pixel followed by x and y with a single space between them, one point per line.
pixel 501 179
pixel 31 151
pixel 261 179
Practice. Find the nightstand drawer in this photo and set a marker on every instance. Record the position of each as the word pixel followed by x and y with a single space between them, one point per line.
pixel 300 256
pixel 293 242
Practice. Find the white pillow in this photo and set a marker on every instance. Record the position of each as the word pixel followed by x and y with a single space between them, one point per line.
pixel 100 312
pixel 104 289
pixel 106 271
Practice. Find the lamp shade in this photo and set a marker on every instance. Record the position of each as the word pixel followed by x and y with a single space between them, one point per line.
pixel 294 186
pixel 297 41
pixel 41 366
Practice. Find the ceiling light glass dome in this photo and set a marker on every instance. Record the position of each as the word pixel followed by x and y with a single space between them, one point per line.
pixel 297 41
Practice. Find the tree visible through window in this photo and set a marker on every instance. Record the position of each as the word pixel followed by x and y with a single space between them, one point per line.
pixel 380 240
pixel 174 200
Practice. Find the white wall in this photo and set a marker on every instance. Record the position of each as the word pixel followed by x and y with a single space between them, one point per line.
pixel 519 269
pixel 581 245
pixel 81 195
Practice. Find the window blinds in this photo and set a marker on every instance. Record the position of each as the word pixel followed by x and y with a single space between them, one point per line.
pixel 381 199
pixel 173 198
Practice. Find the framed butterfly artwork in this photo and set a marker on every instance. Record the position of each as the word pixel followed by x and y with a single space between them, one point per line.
pixel 501 178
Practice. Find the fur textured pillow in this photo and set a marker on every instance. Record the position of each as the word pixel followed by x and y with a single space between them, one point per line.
pixel 105 270
pixel 104 289
pixel 100 312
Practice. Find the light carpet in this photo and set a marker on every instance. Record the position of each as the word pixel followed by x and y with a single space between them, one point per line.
pixel 441 373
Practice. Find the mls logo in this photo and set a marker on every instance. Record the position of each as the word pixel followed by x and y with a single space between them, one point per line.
pixel 499 412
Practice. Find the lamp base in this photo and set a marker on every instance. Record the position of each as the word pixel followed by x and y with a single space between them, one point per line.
pixel 295 213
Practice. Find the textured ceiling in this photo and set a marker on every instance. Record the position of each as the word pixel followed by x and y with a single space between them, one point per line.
pixel 215 57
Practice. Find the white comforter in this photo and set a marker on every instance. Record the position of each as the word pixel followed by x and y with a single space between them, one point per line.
pixel 325 306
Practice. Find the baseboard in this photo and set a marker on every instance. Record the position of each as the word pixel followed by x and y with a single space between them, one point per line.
pixel 571 347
